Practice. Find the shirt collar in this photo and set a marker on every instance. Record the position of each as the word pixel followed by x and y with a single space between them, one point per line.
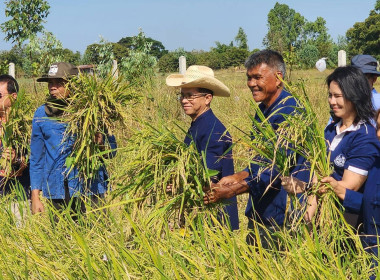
pixel 352 127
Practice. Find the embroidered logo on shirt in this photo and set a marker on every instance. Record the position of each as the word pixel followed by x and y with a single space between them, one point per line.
pixel 340 160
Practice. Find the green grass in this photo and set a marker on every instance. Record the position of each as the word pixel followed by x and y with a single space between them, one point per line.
pixel 128 239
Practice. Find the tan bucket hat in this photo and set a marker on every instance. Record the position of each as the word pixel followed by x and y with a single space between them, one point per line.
pixel 201 77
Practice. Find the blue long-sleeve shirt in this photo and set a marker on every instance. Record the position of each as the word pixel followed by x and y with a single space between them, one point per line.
pixel 268 206
pixel 49 151
pixel 211 137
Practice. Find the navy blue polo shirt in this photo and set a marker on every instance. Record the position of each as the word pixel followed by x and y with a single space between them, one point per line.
pixel 355 148
pixel 358 149
pixel 211 137
pixel 268 205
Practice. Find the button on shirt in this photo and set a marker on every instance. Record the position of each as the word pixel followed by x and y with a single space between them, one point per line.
pixel 269 205
pixel 49 150
pixel 211 137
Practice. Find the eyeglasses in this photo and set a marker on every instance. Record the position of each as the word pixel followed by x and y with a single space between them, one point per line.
pixel 189 97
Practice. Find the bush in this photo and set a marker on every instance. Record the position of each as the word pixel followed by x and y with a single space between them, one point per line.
pixel 170 62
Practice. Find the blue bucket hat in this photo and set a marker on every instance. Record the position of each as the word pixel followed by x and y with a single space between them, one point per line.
pixel 366 63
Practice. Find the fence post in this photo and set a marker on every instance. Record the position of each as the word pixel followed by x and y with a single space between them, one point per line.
pixel 115 71
pixel 11 70
pixel 182 64
pixel 341 58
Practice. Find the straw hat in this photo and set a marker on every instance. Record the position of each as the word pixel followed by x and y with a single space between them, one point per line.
pixel 200 77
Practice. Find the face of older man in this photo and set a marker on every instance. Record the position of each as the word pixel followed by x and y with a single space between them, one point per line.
pixel 264 83
pixel 57 88
pixel 193 102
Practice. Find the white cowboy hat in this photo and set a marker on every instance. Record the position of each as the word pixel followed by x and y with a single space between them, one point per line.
pixel 200 77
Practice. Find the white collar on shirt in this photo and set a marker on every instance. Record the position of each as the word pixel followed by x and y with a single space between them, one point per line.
pixel 340 134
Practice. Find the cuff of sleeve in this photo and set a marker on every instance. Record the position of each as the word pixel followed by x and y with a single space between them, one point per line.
pixel 353 201
pixel 35 188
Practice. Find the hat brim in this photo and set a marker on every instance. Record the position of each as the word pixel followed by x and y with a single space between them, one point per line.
pixel 216 86
pixel 46 79
pixel 366 71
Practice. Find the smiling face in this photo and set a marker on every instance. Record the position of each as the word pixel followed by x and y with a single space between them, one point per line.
pixel 341 107
pixel 5 97
pixel 264 83
pixel 57 88
pixel 194 103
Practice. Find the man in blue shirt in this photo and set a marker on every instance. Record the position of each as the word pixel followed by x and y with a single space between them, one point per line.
pixel 267 199
pixel 50 148
pixel 368 65
pixel 198 87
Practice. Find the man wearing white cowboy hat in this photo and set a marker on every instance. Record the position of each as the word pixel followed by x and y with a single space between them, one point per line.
pixel 198 87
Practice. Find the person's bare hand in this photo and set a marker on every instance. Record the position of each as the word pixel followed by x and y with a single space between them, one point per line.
pixel 339 190
pixel 292 185
pixel 217 192
pixel 234 178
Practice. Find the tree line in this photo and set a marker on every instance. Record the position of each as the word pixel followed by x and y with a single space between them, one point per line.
pixel 300 41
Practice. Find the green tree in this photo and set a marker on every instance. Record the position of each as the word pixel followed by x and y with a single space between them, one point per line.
pixel 26 20
pixel 157 49
pixel 139 66
pixel 308 55
pixel 315 33
pixel 285 27
pixel 71 57
pixel 91 55
pixel 119 51
pixel 43 51
pixel 241 39
pixel 364 37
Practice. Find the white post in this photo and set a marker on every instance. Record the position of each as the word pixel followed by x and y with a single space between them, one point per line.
pixel 341 58
pixel 115 72
pixel 182 64
pixel 11 70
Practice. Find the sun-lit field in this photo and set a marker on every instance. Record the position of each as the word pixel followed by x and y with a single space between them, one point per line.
pixel 134 237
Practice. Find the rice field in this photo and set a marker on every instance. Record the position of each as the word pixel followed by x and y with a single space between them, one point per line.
pixel 143 233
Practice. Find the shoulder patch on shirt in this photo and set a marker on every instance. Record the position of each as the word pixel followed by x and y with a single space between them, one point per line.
pixel 340 160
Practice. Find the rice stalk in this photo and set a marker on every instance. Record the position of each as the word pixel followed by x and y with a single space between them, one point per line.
pixel 164 161
pixel 96 107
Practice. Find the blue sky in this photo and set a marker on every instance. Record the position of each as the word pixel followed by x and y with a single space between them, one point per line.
pixel 194 24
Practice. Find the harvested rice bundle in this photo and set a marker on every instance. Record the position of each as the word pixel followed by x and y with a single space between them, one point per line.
pixel 165 172
pixel 96 108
